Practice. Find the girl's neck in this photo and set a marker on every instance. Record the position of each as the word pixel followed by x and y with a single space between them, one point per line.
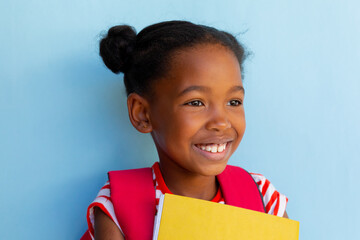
pixel 180 182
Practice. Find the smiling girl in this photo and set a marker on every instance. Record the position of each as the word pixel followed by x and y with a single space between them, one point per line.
pixel 184 87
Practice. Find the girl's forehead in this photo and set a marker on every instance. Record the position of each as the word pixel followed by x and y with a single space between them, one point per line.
pixel 208 65
pixel 204 63
pixel 198 51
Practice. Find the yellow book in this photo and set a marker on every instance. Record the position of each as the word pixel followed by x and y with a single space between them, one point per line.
pixel 189 218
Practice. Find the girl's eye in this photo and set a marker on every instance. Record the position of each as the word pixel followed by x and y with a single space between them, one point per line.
pixel 195 103
pixel 234 102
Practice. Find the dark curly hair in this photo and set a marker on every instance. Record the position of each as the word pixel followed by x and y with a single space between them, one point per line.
pixel 147 56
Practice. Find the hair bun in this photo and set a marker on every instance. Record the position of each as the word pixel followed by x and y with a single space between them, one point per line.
pixel 116 47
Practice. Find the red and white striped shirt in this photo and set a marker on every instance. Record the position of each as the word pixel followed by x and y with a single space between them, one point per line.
pixel 275 202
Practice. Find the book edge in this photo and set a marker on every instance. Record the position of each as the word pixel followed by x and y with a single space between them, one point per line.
pixel 158 217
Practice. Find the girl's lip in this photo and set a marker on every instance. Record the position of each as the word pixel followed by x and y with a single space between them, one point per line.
pixel 215 140
pixel 217 156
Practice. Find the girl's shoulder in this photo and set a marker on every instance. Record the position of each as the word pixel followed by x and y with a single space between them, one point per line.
pixel 102 201
pixel 275 202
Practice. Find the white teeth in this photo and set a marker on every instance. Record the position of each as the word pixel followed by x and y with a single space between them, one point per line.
pixel 221 148
pixel 213 147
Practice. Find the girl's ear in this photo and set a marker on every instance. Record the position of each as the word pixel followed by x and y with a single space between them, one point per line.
pixel 139 110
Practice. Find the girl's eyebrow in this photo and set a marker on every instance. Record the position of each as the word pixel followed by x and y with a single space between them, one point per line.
pixel 194 88
pixel 207 89
pixel 237 88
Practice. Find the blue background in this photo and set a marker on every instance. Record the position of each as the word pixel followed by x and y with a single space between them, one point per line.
pixel 64 121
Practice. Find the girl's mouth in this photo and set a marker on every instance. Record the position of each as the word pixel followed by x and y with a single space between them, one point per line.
pixel 212 147
pixel 213 151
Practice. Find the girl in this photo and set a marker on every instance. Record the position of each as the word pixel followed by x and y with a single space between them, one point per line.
pixel 184 87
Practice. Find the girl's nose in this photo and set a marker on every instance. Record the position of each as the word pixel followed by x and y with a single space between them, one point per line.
pixel 218 122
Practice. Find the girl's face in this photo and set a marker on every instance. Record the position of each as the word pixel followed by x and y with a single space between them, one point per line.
pixel 197 114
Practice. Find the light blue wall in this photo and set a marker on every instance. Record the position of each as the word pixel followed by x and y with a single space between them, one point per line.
pixel 64 122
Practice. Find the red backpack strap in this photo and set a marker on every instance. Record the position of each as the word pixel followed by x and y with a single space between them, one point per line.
pixel 86 236
pixel 239 189
pixel 133 196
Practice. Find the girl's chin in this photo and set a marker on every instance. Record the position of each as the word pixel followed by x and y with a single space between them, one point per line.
pixel 212 169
